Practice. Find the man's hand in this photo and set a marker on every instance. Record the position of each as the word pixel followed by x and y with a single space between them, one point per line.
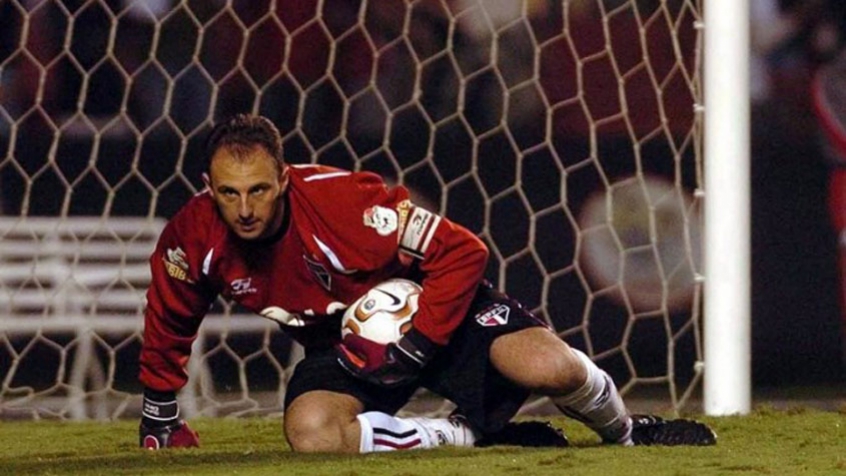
pixel 387 365
pixel 160 424
pixel 176 435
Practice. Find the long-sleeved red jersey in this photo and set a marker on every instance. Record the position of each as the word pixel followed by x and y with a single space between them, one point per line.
pixel 344 233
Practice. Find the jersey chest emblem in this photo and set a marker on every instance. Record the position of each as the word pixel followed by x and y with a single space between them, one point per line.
pixel 319 273
pixel 493 316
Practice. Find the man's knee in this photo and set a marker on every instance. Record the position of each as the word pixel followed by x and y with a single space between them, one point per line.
pixel 538 360
pixel 309 432
pixel 323 422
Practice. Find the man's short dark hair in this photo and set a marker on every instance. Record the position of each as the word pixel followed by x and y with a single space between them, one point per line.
pixel 242 132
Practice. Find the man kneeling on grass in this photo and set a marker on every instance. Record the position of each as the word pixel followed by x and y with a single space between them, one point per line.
pixel 298 244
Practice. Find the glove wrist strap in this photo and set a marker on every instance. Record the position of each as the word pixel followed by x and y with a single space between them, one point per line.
pixel 417 347
pixel 159 408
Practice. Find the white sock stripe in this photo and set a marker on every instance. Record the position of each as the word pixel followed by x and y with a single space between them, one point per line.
pixel 388 439
pixel 393 434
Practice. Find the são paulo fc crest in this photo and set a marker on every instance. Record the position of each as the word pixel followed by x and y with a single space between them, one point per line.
pixel 496 315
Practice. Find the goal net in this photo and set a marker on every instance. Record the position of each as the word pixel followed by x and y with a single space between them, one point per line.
pixel 565 133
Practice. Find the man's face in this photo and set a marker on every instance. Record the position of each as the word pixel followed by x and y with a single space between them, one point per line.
pixel 247 187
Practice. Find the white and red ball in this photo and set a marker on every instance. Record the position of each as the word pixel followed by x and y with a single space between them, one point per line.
pixel 384 313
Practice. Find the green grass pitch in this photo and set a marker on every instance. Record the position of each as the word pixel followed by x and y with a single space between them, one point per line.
pixel 778 442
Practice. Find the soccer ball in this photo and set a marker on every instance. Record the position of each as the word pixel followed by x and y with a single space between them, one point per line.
pixel 384 313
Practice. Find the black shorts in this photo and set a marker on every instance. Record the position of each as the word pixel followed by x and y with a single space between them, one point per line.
pixel 461 373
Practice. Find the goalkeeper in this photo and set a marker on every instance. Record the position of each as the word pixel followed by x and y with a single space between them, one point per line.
pixel 298 244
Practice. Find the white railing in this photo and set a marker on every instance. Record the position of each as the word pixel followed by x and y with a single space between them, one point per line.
pixel 84 279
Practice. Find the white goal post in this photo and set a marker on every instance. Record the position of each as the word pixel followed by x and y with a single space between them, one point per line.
pixel 567 134
pixel 728 366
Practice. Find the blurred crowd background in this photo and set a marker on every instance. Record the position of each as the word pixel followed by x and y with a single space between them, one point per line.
pixel 798 208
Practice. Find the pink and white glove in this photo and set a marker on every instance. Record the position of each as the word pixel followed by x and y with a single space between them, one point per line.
pixel 160 424
pixel 178 435
pixel 388 365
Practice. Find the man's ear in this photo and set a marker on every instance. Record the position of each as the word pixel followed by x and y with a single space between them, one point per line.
pixel 284 178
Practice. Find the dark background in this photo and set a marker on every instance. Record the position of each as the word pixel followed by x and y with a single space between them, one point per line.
pixel 796 317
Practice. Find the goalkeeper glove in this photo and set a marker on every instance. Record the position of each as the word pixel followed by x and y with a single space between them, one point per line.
pixel 160 424
pixel 388 365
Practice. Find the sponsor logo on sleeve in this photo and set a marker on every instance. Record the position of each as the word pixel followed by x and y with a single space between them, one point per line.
pixel 176 264
pixel 496 315
pixel 419 231
pixel 383 220
pixel 403 208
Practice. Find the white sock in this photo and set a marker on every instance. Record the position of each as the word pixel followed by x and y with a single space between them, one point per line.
pixel 383 432
pixel 452 431
pixel 598 405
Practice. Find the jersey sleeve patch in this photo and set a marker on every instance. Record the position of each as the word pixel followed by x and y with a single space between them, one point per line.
pixel 176 264
pixel 418 232
pixel 383 220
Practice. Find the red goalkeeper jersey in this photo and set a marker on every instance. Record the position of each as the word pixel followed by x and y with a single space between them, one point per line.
pixel 344 233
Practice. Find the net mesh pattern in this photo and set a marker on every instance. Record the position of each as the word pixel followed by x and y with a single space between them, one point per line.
pixel 565 133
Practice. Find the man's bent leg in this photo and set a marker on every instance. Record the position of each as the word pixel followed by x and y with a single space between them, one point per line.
pixel 323 421
pixel 538 360
pixel 598 405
